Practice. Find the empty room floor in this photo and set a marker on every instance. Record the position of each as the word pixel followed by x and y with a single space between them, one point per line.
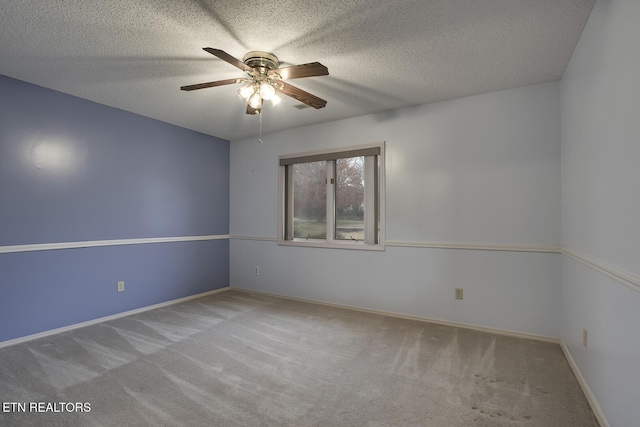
pixel 243 359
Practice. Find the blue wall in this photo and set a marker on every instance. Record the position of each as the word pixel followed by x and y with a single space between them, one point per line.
pixel 73 170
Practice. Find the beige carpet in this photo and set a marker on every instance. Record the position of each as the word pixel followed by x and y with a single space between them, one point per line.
pixel 239 359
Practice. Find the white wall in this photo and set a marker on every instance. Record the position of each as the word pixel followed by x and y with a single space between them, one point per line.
pixel 600 93
pixel 483 169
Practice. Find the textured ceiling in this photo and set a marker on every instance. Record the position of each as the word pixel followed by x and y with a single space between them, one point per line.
pixel 381 55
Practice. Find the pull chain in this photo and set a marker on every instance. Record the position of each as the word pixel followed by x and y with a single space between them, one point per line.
pixel 260 114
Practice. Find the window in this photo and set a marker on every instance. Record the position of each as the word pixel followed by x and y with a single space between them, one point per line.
pixel 333 198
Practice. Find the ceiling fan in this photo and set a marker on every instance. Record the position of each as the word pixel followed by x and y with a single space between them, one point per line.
pixel 266 79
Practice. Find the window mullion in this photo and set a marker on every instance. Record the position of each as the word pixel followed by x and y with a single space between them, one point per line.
pixel 331 198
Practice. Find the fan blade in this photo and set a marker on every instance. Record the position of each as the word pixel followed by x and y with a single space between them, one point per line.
pixel 302 96
pixel 226 57
pixel 303 70
pixel 212 84
pixel 251 110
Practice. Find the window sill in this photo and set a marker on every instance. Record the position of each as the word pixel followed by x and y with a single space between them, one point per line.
pixel 331 245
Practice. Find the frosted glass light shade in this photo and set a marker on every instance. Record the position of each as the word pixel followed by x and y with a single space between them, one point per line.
pixel 246 91
pixel 255 101
pixel 267 91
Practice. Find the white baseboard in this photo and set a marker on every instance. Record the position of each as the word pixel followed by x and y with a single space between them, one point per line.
pixel 595 407
pixel 104 319
pixel 496 331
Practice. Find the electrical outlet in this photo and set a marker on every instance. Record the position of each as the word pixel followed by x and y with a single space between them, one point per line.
pixel 458 293
pixel 585 337
pixel 120 286
pixel 256 271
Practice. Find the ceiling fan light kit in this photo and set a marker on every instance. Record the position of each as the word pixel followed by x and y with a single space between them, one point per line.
pixel 261 86
pixel 265 79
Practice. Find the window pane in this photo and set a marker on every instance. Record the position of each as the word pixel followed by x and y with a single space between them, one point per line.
pixel 310 200
pixel 350 198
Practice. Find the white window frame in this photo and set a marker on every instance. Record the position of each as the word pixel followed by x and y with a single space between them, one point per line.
pixel 372 216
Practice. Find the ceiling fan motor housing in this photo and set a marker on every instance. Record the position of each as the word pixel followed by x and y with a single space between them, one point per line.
pixel 259 59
